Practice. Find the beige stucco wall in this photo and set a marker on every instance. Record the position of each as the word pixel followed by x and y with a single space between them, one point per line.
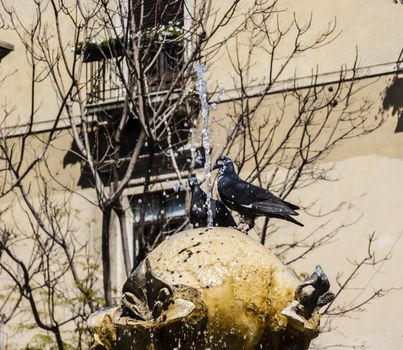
pixel 367 29
pixel 372 187
pixel 17 89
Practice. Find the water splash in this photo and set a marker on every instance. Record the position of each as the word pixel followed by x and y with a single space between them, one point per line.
pixel 200 70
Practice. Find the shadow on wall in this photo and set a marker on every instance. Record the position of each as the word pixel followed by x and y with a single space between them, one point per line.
pixel 101 132
pixel 394 99
pixel 104 153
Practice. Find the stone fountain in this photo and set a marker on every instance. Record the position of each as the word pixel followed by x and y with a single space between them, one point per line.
pixel 213 288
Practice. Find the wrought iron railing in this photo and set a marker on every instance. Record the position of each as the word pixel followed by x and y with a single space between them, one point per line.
pixel 104 81
pixel 105 76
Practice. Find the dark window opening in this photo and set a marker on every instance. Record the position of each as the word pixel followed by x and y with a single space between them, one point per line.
pixel 164 213
pixel 164 64
pixel 160 24
pixel 154 13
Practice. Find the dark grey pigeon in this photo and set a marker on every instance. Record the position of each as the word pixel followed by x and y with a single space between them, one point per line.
pixel 249 200
pixel 198 208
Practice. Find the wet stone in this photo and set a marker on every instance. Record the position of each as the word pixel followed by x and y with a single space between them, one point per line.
pixel 218 299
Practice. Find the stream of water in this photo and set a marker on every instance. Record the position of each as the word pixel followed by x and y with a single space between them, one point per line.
pixel 206 139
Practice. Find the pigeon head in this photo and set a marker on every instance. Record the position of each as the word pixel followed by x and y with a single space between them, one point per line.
pixel 222 162
pixel 224 166
pixel 193 181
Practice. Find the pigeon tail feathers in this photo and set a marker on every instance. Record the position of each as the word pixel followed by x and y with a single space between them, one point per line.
pixel 274 208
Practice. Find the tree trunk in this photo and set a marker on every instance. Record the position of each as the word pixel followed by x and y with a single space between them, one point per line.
pixel 106 261
pixel 59 340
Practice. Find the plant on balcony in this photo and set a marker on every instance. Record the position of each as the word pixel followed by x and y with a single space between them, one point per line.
pixel 96 51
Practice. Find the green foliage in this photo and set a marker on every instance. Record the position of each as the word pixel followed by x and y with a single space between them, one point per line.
pixel 45 341
pixel 105 47
pixel 108 45
pixel 41 341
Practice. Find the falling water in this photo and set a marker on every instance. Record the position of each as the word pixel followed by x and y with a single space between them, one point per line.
pixel 202 89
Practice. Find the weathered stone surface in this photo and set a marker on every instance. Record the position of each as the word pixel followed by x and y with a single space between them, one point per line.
pixel 213 289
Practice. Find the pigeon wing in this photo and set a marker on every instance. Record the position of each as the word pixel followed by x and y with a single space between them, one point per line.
pixel 223 216
pixel 268 202
pixel 250 196
pixel 236 191
pixel 198 212
pixel 244 193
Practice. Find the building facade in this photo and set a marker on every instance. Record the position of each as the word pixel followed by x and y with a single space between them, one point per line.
pixel 312 109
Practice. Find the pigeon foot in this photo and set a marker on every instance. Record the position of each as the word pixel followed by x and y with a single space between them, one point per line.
pixel 243 227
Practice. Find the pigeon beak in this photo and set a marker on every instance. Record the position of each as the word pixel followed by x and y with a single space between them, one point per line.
pixel 192 181
pixel 215 166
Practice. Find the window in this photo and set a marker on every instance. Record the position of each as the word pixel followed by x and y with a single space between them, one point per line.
pixel 157 13
pixel 164 62
pixel 164 212
pixel 161 24
pixel 159 206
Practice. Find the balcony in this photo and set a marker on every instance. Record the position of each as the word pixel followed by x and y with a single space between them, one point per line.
pixel 104 83
pixel 106 68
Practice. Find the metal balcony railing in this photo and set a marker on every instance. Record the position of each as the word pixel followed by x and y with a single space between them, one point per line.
pixel 104 81
pixel 105 77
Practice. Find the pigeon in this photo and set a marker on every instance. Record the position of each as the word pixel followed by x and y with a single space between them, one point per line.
pixel 198 209
pixel 249 200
